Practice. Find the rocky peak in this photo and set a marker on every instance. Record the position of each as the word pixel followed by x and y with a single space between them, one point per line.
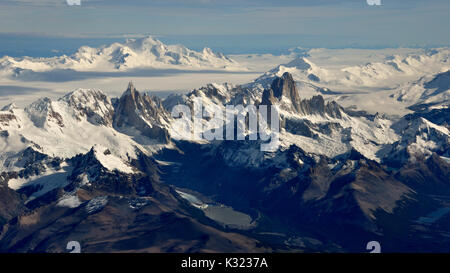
pixel 133 103
pixel 284 86
pixel 93 104
pixel 42 112
pixel 9 107
pixel 219 93
pixel 317 105
pixel 141 112
pixel 299 63
pixel 131 90
pixel 268 98
pixel 283 90
pixel 6 116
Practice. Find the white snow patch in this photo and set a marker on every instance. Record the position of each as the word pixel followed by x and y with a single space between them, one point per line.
pixel 110 161
pixel 70 201
pixel 96 204
pixel 50 180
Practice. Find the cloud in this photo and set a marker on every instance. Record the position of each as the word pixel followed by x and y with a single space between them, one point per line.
pixel 395 22
pixel 8 90
pixel 68 75
pixel 34 2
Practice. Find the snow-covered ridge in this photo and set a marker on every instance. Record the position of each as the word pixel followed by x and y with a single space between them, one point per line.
pixel 433 89
pixel 133 54
pixel 62 128
pixel 386 83
pixel 138 123
pixel 315 125
pixel 393 70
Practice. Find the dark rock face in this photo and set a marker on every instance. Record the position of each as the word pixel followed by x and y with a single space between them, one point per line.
pixel 116 212
pixel 11 202
pixel 268 98
pixel 426 175
pixel 311 202
pixel 112 182
pixel 141 112
pixel 299 127
pixel 212 92
pixel 317 105
pixel 313 78
pixel 324 198
pixel 5 118
pixel 118 225
pixel 31 163
pixel 285 87
pixel 437 116
pixel 441 82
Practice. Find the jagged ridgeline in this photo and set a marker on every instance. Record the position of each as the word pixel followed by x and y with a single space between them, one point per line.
pixel 107 173
pixel 143 53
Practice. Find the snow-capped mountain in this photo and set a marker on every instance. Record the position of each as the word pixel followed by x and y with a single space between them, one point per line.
pixel 433 90
pixel 141 113
pixel 353 170
pixel 134 122
pixel 314 124
pixel 87 154
pixel 393 70
pixel 389 86
pixel 75 123
pixel 133 54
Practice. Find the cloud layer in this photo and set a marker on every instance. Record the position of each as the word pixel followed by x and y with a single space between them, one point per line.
pixel 396 22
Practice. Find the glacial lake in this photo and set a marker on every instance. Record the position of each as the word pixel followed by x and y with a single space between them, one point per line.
pixel 220 213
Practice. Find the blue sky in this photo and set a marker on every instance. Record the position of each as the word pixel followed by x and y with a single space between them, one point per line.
pixel 247 23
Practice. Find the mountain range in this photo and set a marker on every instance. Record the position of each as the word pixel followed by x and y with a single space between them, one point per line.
pixel 397 81
pixel 143 53
pixel 108 173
